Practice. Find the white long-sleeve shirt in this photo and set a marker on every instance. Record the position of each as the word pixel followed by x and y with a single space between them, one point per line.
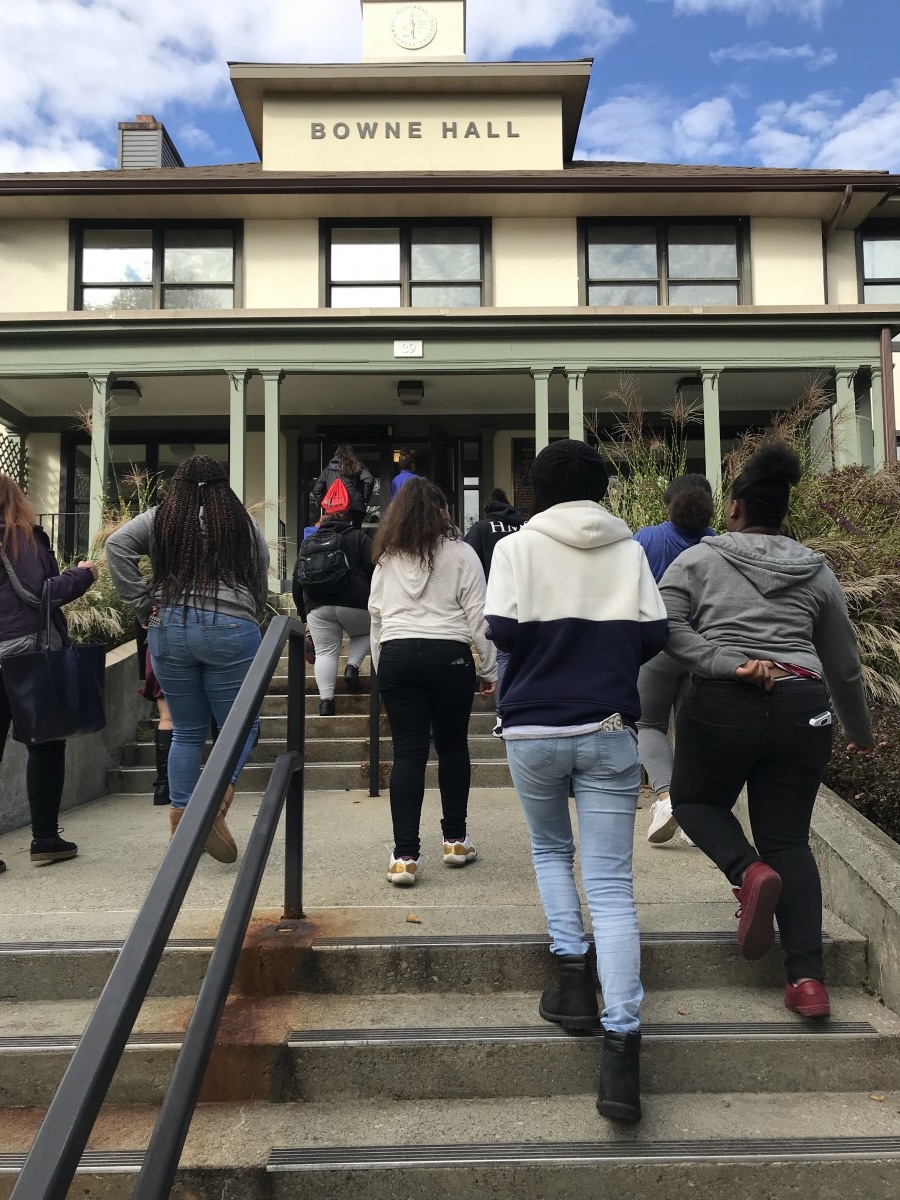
pixel 444 604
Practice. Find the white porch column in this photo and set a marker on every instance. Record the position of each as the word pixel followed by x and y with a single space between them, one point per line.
pixel 272 438
pixel 99 452
pixel 541 409
pixel 712 428
pixel 876 404
pixel 845 427
pixel 576 402
pixel 237 432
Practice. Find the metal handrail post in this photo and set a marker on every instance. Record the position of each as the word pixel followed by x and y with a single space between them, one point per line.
pixel 163 1154
pixel 296 743
pixel 374 735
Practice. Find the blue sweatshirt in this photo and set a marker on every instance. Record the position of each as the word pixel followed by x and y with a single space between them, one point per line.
pixel 663 543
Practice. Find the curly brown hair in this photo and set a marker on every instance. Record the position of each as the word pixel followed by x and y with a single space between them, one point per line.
pixel 417 520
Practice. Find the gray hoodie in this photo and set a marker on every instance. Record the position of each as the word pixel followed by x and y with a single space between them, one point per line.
pixel 753 595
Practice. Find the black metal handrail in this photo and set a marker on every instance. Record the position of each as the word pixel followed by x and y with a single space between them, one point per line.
pixel 62 1137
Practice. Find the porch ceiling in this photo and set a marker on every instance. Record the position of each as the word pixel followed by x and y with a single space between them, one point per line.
pixel 491 397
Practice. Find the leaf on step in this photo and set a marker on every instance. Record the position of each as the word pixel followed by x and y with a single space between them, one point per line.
pixel 412 919
pixel 684 1012
pixel 878 1097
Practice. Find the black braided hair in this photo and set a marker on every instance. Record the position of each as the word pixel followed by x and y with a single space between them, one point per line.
pixel 203 537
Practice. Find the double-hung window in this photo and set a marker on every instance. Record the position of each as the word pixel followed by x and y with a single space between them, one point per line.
pixel 406 265
pixel 151 266
pixel 662 263
pixel 880 265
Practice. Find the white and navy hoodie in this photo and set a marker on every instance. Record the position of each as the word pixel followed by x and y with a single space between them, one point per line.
pixel 572 599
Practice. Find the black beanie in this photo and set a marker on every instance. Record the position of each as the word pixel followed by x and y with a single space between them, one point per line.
pixel 567 470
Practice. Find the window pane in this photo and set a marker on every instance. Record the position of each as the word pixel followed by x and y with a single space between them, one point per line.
pixel 609 297
pixel 881 258
pixel 198 256
pixel 881 293
pixel 622 252
pixel 446 253
pixel 109 298
pixel 198 297
pixel 446 297
pixel 117 256
pixel 703 293
pixel 365 297
pixel 703 252
pixel 365 255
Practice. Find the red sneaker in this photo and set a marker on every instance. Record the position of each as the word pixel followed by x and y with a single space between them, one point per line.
pixel 758 897
pixel 809 998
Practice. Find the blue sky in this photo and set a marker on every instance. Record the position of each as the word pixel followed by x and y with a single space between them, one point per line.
pixel 793 83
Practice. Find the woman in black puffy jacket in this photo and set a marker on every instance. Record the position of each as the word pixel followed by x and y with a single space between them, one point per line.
pixel 357 479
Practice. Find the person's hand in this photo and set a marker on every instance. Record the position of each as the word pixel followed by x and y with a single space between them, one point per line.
pixel 758 671
pixel 486 687
pixel 91 566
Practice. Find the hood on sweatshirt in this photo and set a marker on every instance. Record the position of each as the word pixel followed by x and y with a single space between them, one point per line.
pixel 411 574
pixel 677 540
pixel 584 524
pixel 772 563
pixel 505 512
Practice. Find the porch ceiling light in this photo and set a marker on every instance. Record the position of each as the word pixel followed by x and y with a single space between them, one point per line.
pixel 411 391
pixel 125 392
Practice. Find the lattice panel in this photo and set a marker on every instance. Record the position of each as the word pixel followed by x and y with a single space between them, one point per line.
pixel 13 460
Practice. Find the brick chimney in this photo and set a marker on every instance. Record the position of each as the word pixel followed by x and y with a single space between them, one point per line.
pixel 145 143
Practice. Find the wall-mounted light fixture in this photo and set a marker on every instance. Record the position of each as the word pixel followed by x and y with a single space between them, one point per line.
pixel 125 392
pixel 411 392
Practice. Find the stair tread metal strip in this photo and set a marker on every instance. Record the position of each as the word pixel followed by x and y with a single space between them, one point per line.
pixel 443 941
pixel 94 1162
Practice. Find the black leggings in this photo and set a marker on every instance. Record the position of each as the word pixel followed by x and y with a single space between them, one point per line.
pixel 427 686
pixel 731 734
pixel 45 775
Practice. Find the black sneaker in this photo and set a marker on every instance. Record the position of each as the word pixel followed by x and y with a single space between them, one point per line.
pixel 326 708
pixel 2 866
pixel 53 849
pixel 351 677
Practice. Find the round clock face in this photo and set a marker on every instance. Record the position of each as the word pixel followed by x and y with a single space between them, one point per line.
pixel 413 26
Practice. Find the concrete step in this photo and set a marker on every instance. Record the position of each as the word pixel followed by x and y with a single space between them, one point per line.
pixel 453 1046
pixel 350 776
pixel 335 749
pixel 343 725
pixel 745 1147
pixel 325 968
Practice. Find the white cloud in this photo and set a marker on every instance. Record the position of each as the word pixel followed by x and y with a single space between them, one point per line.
pixel 71 69
pixel 812 59
pixel 816 132
pixel 646 126
pixel 758 11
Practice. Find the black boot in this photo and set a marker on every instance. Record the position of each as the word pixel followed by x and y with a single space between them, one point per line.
pixel 574 1003
pixel 161 782
pixel 619 1097
pixel 52 849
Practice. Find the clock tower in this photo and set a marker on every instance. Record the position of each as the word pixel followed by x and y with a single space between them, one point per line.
pixel 402 31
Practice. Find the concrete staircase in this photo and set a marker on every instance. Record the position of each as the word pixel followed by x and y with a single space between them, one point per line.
pixel 337 748
pixel 396 1066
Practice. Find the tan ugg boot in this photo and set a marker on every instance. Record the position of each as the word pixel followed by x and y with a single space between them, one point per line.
pixel 175 815
pixel 221 845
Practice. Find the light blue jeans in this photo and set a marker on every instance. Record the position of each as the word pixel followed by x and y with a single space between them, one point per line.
pixel 200 660
pixel 604 769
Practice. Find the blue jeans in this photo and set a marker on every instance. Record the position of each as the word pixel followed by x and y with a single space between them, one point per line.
pixel 604 769
pixel 200 660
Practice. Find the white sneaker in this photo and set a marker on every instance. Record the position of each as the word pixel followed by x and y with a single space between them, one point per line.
pixel 457 854
pixel 497 731
pixel 684 837
pixel 663 825
pixel 402 871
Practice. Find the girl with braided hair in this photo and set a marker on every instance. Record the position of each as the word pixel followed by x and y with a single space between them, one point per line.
pixel 202 602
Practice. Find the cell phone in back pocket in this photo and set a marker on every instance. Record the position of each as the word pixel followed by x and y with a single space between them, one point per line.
pixel 613 724
pixel 820 721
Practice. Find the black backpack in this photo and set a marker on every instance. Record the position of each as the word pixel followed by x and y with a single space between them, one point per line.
pixel 322 565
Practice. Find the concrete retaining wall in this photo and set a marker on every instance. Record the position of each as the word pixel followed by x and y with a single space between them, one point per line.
pixel 88 758
pixel 860 869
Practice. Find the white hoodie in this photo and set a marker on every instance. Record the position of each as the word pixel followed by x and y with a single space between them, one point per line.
pixel 444 604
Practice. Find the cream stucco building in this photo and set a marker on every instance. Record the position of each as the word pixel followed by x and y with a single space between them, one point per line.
pixel 418 261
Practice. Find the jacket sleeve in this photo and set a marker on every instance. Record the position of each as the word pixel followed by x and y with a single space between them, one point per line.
pixel 474 537
pixel 124 549
pixel 375 599
pixel 501 603
pixel 686 645
pixel 365 554
pixel 471 597
pixel 367 479
pixel 262 564
pixel 33 570
pixel 654 625
pixel 319 488
pixel 835 641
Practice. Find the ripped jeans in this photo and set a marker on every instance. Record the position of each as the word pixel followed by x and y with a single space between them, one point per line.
pixel 427 686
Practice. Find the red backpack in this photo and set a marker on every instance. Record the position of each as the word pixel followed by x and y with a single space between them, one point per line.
pixel 336 499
